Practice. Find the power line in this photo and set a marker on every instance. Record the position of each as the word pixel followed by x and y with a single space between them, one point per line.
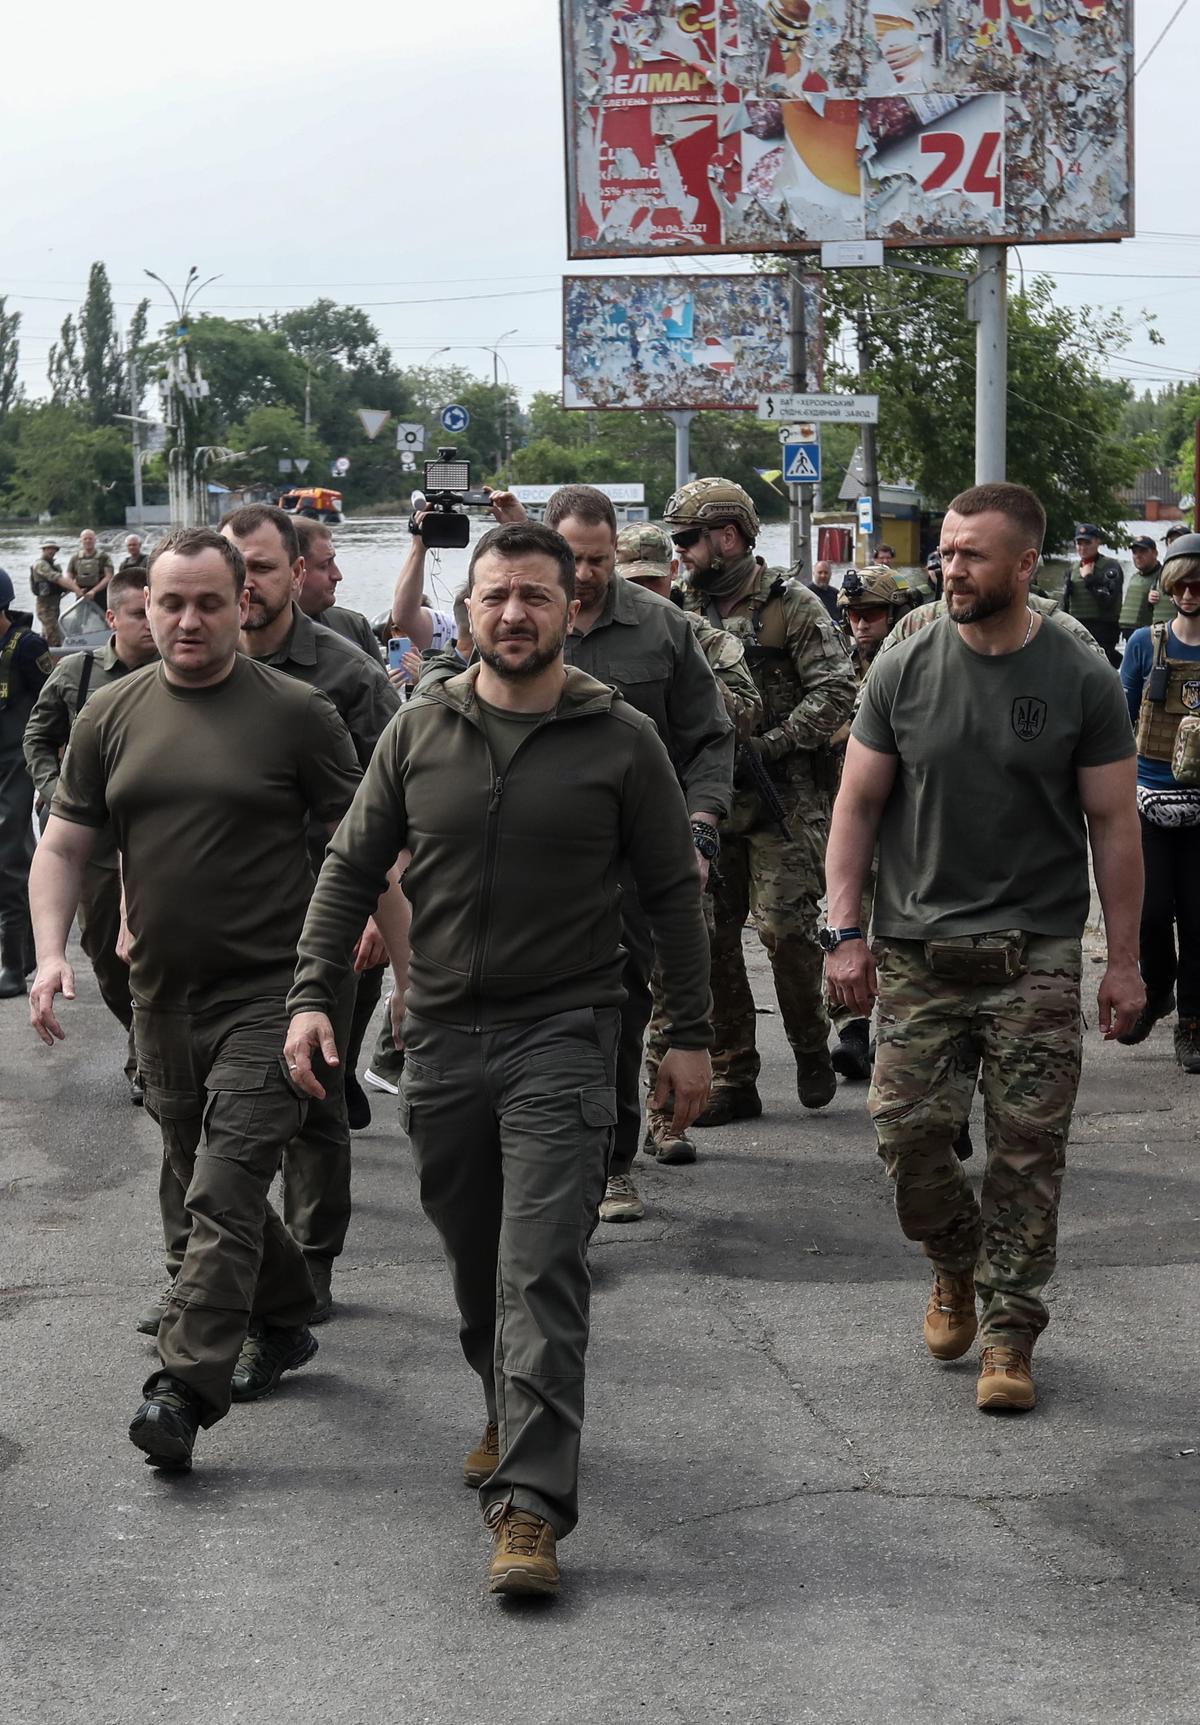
pixel 1149 55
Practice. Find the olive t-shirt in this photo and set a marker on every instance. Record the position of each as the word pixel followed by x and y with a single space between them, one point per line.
pixel 984 829
pixel 208 791
pixel 505 731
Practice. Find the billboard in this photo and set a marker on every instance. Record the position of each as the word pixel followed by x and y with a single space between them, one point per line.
pixel 680 342
pixel 768 125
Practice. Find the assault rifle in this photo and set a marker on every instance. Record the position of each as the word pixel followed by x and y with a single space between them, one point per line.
pixel 752 770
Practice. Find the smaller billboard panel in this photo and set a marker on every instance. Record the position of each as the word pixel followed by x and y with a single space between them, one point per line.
pixel 680 343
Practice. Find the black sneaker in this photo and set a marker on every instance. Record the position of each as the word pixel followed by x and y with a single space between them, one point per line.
pixel 816 1081
pixel 166 1424
pixel 728 1103
pixel 267 1353
pixel 1156 1007
pixel 851 1057
pixel 358 1109
pixel 1187 1044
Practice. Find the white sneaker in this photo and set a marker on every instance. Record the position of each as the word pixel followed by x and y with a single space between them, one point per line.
pixel 377 1082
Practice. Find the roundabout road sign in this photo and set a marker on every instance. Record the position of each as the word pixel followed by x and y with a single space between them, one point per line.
pixel 455 418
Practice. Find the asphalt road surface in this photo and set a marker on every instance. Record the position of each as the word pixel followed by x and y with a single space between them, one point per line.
pixel 790 1512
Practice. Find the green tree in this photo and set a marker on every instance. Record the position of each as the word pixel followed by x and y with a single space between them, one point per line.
pixel 10 354
pixel 67 467
pixel 269 435
pixel 87 364
pixel 1065 418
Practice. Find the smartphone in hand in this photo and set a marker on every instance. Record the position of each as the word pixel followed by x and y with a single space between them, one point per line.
pixel 397 647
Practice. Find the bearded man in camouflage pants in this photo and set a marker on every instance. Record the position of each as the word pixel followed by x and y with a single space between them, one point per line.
pixel 986 752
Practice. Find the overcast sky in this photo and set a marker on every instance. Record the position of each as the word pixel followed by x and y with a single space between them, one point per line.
pixel 407 158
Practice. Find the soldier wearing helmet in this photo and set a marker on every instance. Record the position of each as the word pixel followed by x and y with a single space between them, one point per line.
pixel 869 602
pixel 799 663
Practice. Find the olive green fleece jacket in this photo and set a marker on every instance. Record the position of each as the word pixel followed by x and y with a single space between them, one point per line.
pixel 516 906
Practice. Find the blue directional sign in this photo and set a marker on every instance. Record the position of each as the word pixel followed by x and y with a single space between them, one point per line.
pixel 801 463
pixel 455 418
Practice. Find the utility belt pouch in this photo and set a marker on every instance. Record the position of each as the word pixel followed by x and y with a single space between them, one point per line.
pixel 974 959
pixel 1185 757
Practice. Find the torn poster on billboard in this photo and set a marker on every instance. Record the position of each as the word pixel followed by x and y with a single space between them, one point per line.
pixel 747 125
pixel 679 342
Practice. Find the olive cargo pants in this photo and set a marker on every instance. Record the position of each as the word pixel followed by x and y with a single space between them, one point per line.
pixel 933 1035
pixel 316 1167
pixel 218 1087
pixel 511 1133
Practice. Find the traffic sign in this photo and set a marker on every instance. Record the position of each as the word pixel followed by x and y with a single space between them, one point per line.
pixel 301 464
pixel 373 420
pixel 410 437
pixel 866 516
pixel 801 463
pixel 455 417
pixel 824 409
pixel 797 434
pixel 341 466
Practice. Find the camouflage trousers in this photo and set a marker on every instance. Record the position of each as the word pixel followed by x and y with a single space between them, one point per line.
pixel 933 1037
pixel 779 883
pixel 47 616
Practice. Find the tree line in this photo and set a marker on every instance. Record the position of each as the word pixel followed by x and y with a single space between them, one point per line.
pixel 289 387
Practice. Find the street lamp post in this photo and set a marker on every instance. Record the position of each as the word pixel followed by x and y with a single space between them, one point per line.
pixel 504 454
pixel 184 386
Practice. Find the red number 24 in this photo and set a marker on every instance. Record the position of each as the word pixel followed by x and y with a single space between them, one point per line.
pixel 983 174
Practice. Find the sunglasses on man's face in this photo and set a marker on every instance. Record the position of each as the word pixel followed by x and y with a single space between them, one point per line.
pixel 1192 587
pixel 688 537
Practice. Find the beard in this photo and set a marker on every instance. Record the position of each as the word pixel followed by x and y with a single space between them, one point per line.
pixel 537 659
pixel 974 607
pixel 261 615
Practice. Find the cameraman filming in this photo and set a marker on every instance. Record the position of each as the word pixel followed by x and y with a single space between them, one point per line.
pixel 428 628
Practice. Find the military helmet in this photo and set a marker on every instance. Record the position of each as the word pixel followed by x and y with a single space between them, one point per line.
pixel 872 585
pixel 1180 561
pixel 711 502
pixel 641 542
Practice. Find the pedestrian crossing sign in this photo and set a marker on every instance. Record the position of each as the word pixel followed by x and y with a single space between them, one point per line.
pixel 801 463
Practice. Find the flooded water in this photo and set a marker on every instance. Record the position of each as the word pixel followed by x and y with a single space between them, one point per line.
pixel 370 554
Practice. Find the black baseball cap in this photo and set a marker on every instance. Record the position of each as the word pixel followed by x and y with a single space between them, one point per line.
pixel 1142 543
pixel 1086 530
pixel 1174 530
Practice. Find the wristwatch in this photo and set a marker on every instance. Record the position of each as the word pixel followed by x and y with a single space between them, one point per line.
pixel 830 939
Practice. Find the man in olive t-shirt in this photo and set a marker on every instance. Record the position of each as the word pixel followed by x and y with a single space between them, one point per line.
pixel 208 767
pixel 987 750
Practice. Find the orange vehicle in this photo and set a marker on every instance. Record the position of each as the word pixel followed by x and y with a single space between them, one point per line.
pixel 314 501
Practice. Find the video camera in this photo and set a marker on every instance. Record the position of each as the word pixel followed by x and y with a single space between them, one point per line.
pixel 447 491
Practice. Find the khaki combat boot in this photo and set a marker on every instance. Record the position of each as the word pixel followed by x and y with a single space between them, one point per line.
pixel 484 1459
pixel 1005 1381
pixel 664 1144
pixel 523 1551
pixel 950 1320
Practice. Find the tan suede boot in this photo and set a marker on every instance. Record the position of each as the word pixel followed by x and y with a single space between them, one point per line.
pixel 950 1320
pixel 1005 1382
pixel 523 1551
pixel 484 1459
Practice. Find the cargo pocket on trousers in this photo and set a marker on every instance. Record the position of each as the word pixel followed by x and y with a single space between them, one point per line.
pixel 252 1112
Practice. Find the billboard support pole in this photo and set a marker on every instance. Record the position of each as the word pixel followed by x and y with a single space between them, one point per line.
pixel 987 307
pixel 799 496
pixel 870 456
pixel 683 449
